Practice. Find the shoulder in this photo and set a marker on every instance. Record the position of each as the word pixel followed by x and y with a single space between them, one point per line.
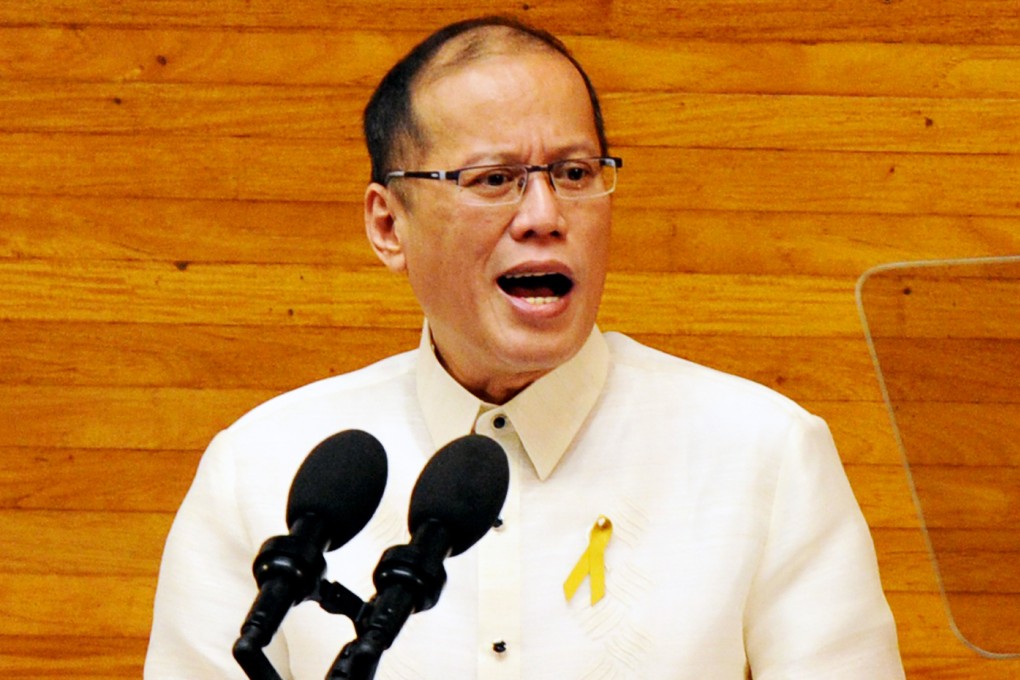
pixel 693 417
pixel 643 370
pixel 376 387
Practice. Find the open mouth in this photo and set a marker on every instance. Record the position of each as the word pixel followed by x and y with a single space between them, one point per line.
pixel 536 289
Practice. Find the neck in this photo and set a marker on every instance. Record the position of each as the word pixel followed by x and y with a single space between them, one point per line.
pixel 492 389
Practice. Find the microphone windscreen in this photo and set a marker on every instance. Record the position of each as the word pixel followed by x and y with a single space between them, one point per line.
pixel 341 481
pixel 463 486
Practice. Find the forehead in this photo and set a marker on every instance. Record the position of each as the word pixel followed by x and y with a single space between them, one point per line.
pixel 518 101
pixel 476 44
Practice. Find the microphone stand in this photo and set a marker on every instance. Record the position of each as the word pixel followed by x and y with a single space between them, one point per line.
pixel 332 597
pixel 408 579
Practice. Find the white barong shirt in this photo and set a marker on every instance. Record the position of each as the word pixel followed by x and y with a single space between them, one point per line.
pixel 737 544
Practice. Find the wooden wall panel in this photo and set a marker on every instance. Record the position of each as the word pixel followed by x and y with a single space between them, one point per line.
pixel 180 239
pixel 714 179
pixel 980 21
pixel 56 416
pixel 87 534
pixel 57 657
pixel 285 295
pixel 642 118
pixel 645 239
pixel 178 231
pixel 50 476
pixel 125 56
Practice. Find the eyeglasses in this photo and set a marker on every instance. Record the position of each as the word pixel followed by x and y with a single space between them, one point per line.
pixel 574 179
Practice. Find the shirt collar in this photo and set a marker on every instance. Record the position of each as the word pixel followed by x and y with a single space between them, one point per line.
pixel 546 415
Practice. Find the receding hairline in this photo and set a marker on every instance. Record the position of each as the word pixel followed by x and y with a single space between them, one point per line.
pixel 477 44
pixel 463 51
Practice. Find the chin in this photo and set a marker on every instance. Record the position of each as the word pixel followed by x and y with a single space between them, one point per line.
pixel 542 352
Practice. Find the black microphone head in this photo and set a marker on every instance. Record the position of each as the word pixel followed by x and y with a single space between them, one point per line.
pixel 341 481
pixel 463 486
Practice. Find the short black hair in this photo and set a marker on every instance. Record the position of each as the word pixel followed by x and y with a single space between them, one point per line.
pixel 389 121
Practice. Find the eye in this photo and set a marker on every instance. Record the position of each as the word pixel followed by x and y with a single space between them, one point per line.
pixel 490 180
pixel 575 172
pixel 488 177
pixel 497 177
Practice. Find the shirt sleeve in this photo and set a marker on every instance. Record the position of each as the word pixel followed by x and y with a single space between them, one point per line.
pixel 205 583
pixel 816 607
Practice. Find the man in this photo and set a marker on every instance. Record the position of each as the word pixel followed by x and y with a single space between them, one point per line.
pixel 730 540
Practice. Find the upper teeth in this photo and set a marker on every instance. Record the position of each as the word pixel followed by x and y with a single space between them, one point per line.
pixel 524 275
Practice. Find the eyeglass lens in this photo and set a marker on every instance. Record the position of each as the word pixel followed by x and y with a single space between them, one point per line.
pixel 571 179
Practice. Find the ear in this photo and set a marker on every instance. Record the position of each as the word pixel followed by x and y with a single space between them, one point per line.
pixel 383 211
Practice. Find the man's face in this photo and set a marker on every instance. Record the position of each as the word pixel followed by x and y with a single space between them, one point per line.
pixel 497 327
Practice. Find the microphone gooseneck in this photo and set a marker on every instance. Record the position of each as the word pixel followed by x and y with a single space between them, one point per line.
pixel 455 501
pixel 334 493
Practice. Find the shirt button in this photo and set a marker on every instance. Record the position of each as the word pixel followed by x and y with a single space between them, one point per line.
pixel 499 646
pixel 499 422
pixel 498 524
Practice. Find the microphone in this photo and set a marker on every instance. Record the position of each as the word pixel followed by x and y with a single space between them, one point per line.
pixel 455 501
pixel 462 488
pixel 334 494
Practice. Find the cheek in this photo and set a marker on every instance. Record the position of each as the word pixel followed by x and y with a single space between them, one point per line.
pixel 597 236
pixel 448 258
pixel 470 238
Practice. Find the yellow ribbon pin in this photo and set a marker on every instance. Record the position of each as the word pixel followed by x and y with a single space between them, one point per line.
pixel 592 562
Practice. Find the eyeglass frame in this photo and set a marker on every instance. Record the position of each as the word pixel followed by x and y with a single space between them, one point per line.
pixel 614 162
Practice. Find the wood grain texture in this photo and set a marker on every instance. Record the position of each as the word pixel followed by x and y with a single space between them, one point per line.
pixel 110 600
pixel 685 120
pixel 239 294
pixel 30 657
pixel 111 542
pixel 52 478
pixel 181 239
pixel 259 169
pixel 981 21
pixel 134 418
pixel 356 58
pixel 644 240
pixel 965 370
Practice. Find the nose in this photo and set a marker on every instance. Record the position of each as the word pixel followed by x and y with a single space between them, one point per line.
pixel 538 214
